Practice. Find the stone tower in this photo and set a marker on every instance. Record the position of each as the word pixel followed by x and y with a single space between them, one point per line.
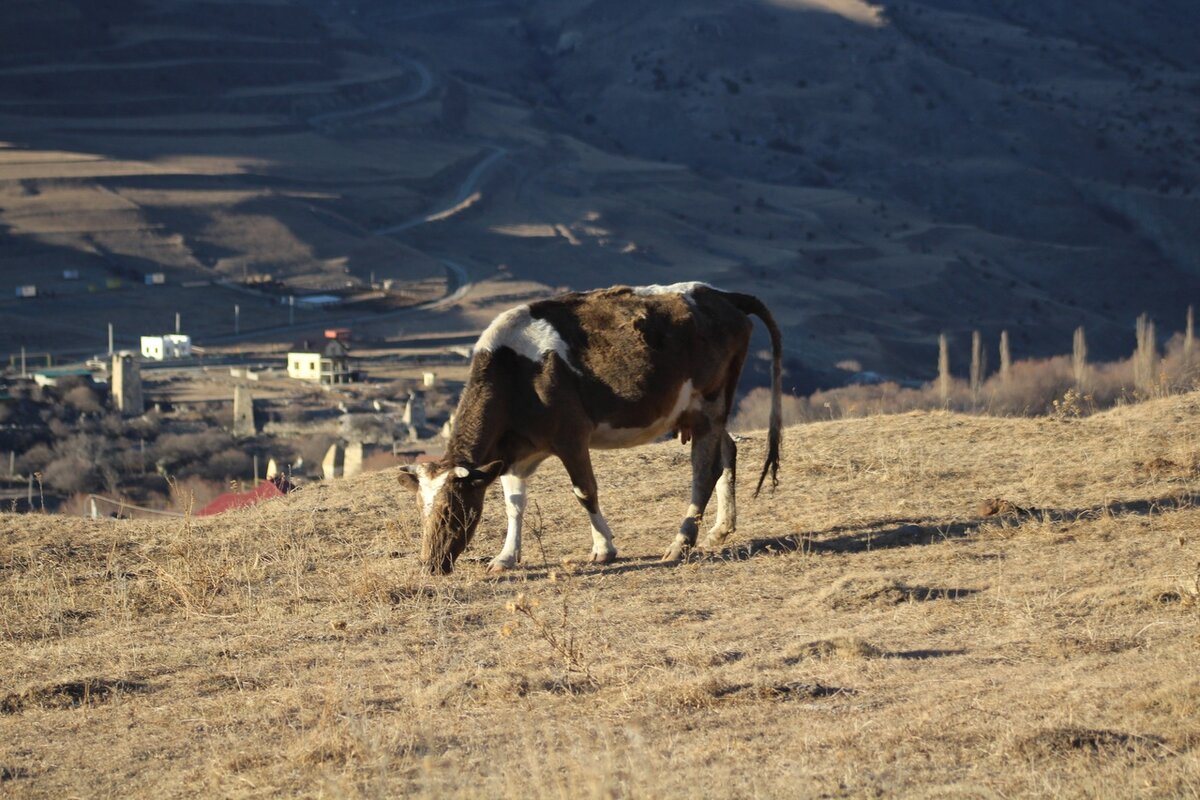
pixel 127 385
pixel 352 463
pixel 414 410
pixel 332 464
pixel 243 411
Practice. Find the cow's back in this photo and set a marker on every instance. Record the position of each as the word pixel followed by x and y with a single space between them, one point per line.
pixel 632 349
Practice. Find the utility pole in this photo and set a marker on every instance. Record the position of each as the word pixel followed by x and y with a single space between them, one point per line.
pixel 237 318
pixel 110 339
pixel 291 309
pixel 23 375
pixel 177 322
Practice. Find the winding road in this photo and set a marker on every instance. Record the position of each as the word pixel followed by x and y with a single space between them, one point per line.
pixel 420 92
pixel 463 200
pixel 458 279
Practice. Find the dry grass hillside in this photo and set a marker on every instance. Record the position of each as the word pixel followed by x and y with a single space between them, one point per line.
pixel 872 631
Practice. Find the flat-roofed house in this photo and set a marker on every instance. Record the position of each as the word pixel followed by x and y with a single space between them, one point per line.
pixel 166 347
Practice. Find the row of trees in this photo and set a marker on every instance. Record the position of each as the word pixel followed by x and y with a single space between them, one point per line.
pixel 1066 384
pixel 1146 372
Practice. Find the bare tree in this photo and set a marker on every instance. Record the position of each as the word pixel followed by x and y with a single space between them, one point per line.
pixel 944 369
pixel 978 365
pixel 1079 359
pixel 1189 343
pixel 1145 358
pixel 1005 359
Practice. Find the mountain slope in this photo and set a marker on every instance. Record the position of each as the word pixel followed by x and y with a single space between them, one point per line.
pixel 879 173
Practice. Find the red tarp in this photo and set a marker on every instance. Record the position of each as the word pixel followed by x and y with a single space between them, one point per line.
pixel 264 491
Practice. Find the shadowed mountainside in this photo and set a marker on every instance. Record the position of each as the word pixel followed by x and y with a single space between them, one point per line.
pixel 877 172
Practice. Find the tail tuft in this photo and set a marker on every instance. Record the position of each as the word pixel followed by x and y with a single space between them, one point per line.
pixel 748 304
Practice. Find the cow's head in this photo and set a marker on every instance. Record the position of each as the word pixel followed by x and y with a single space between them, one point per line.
pixel 451 499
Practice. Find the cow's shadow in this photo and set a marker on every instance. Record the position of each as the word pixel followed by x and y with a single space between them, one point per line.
pixel 882 534
pixel 892 533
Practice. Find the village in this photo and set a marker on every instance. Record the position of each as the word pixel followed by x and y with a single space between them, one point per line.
pixel 262 419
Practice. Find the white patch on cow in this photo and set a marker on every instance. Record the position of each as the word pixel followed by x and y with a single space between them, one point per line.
pixel 524 335
pixel 514 504
pixel 602 546
pixel 607 437
pixel 430 487
pixel 685 288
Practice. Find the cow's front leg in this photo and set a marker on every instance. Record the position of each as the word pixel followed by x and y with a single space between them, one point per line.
pixel 583 482
pixel 514 487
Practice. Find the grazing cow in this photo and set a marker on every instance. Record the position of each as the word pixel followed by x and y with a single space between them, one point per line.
pixel 608 368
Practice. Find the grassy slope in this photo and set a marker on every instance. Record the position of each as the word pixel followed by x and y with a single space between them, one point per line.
pixel 868 632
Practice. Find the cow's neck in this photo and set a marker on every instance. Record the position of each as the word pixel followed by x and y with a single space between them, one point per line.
pixel 481 418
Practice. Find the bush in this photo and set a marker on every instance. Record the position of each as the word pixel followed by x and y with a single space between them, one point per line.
pixel 175 450
pixel 192 494
pixel 72 473
pixel 312 449
pixel 83 399
pixel 1032 388
pixel 225 466
pixel 35 459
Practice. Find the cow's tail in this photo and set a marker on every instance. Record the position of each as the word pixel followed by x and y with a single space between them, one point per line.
pixel 749 304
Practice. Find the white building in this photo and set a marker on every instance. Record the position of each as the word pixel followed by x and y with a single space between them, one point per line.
pixel 326 361
pixel 167 346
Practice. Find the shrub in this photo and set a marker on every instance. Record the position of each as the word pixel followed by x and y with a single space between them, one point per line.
pixel 312 449
pixel 225 465
pixel 177 449
pixel 1030 389
pixel 192 494
pixel 83 399
pixel 35 459
pixel 72 473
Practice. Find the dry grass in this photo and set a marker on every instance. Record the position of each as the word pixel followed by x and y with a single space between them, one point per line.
pixel 872 630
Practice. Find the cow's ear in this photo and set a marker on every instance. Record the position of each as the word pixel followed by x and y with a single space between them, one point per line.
pixel 409 477
pixel 482 476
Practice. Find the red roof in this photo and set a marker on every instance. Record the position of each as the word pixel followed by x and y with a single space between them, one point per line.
pixel 265 490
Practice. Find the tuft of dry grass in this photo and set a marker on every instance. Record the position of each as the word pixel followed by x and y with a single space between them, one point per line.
pixel 930 603
pixel 837 647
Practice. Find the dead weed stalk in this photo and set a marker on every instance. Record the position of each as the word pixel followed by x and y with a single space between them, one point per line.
pixel 559 632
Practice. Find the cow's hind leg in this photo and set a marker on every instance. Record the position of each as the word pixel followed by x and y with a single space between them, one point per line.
pixel 726 496
pixel 583 482
pixel 706 469
pixel 514 505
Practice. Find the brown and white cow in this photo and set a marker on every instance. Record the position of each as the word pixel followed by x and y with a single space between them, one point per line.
pixel 608 368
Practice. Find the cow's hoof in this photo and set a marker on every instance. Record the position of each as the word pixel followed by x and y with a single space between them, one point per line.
pixel 715 540
pixel 499 565
pixel 607 557
pixel 674 553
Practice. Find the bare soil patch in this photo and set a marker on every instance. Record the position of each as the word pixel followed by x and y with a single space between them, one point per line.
pixel 69 694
